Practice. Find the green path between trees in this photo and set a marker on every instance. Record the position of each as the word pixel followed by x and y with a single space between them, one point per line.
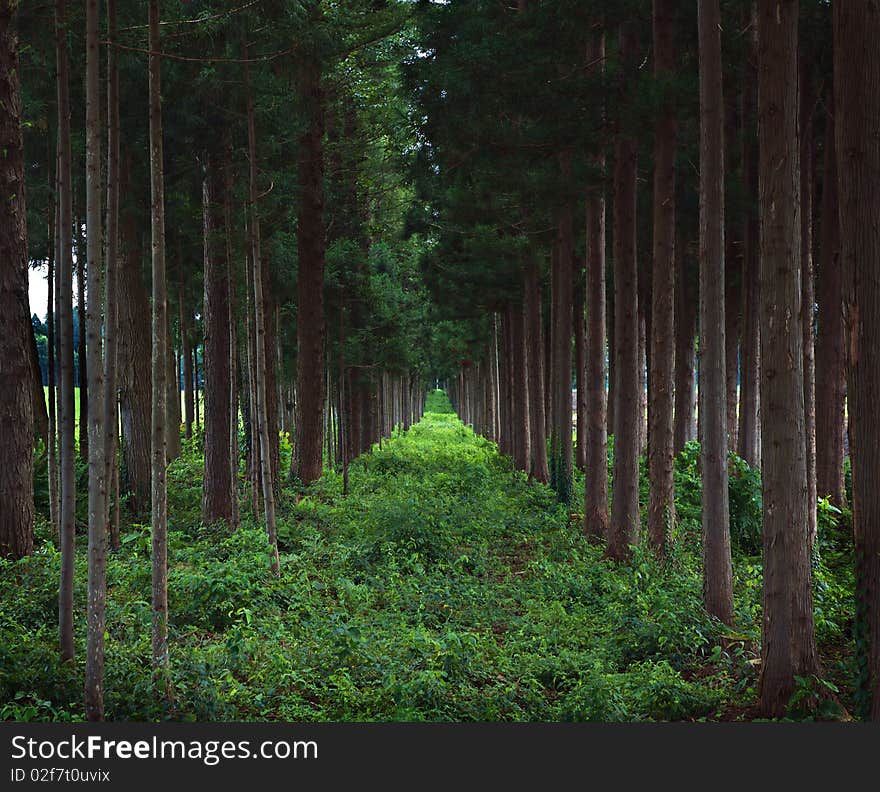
pixel 443 587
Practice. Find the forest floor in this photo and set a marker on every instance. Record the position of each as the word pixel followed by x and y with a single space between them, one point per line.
pixel 443 586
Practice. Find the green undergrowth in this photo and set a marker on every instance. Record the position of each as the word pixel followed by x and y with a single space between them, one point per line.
pixel 443 586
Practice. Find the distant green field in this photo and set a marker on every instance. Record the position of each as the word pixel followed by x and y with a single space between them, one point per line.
pixel 76 401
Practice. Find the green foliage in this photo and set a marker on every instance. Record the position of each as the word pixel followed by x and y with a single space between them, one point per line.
pixel 445 586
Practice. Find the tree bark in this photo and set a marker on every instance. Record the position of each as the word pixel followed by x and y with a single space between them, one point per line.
pixel 717 567
pixel 830 355
pixel 748 434
pixel 539 469
pixel 561 315
pixel 65 339
pixel 260 325
pixel 159 493
pixel 520 393
pixel 82 352
pixel 788 645
pixel 808 291
pixel 308 462
pixel 217 493
pixel 186 353
pixel 624 526
pixel 684 420
pixel 661 509
pixel 580 368
pixel 97 431
pixel 16 384
pixel 857 121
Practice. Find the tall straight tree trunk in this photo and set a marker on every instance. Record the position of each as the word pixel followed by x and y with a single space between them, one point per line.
pixel 260 325
pixel 748 434
pixel 82 352
pixel 580 368
pixel 52 378
pixel 159 492
pixel 717 567
pixel 16 395
pixel 172 383
pixel 661 402
pixel 808 292
pixel 788 645
pixel 561 315
pixel 539 469
pixel 217 493
pixel 732 272
pixel 857 121
pixel 135 399
pixel 830 355
pixel 65 339
pixel 310 284
pixel 186 354
pixel 97 446
pixel 520 393
pixel 684 419
pixel 596 517
pixel 624 527
pixel 111 309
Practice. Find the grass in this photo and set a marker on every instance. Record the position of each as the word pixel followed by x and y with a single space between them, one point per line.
pixel 443 587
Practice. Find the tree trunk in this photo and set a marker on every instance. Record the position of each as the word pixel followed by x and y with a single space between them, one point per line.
pixel 52 381
pixel 111 303
pixel 830 355
pixel 560 438
pixel 186 353
pixel 217 493
pixel 623 530
pixel 260 325
pixel 520 393
pixel 134 349
pixel 808 291
pixel 159 493
pixel 16 384
pixel 308 463
pixel 97 446
pixel 661 510
pixel 539 469
pixel 857 120
pixel 63 257
pixel 717 568
pixel 788 645
pixel 82 352
pixel 580 368
pixel 684 419
pixel 748 434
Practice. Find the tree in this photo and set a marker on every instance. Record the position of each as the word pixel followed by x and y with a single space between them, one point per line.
pixel 717 568
pixel 623 530
pixel 97 587
pixel 788 646
pixel 830 353
pixel 65 340
pixel 310 381
pixel 16 405
pixel 661 512
pixel 857 122
pixel 159 329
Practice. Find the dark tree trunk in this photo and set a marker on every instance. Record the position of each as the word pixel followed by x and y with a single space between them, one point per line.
pixel 830 355
pixel 159 325
pixel 560 437
pixel 788 645
pixel 186 352
pixel 685 353
pixel 857 120
pixel 623 530
pixel 38 395
pixel 310 378
pixel 808 291
pixel 63 257
pixel 217 494
pixel 82 359
pixel 135 381
pixel 661 510
pixel 748 434
pixel 519 390
pixel 16 384
pixel 717 567
pixel 580 367
pixel 539 469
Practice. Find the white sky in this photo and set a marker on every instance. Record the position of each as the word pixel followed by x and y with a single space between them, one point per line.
pixel 38 291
